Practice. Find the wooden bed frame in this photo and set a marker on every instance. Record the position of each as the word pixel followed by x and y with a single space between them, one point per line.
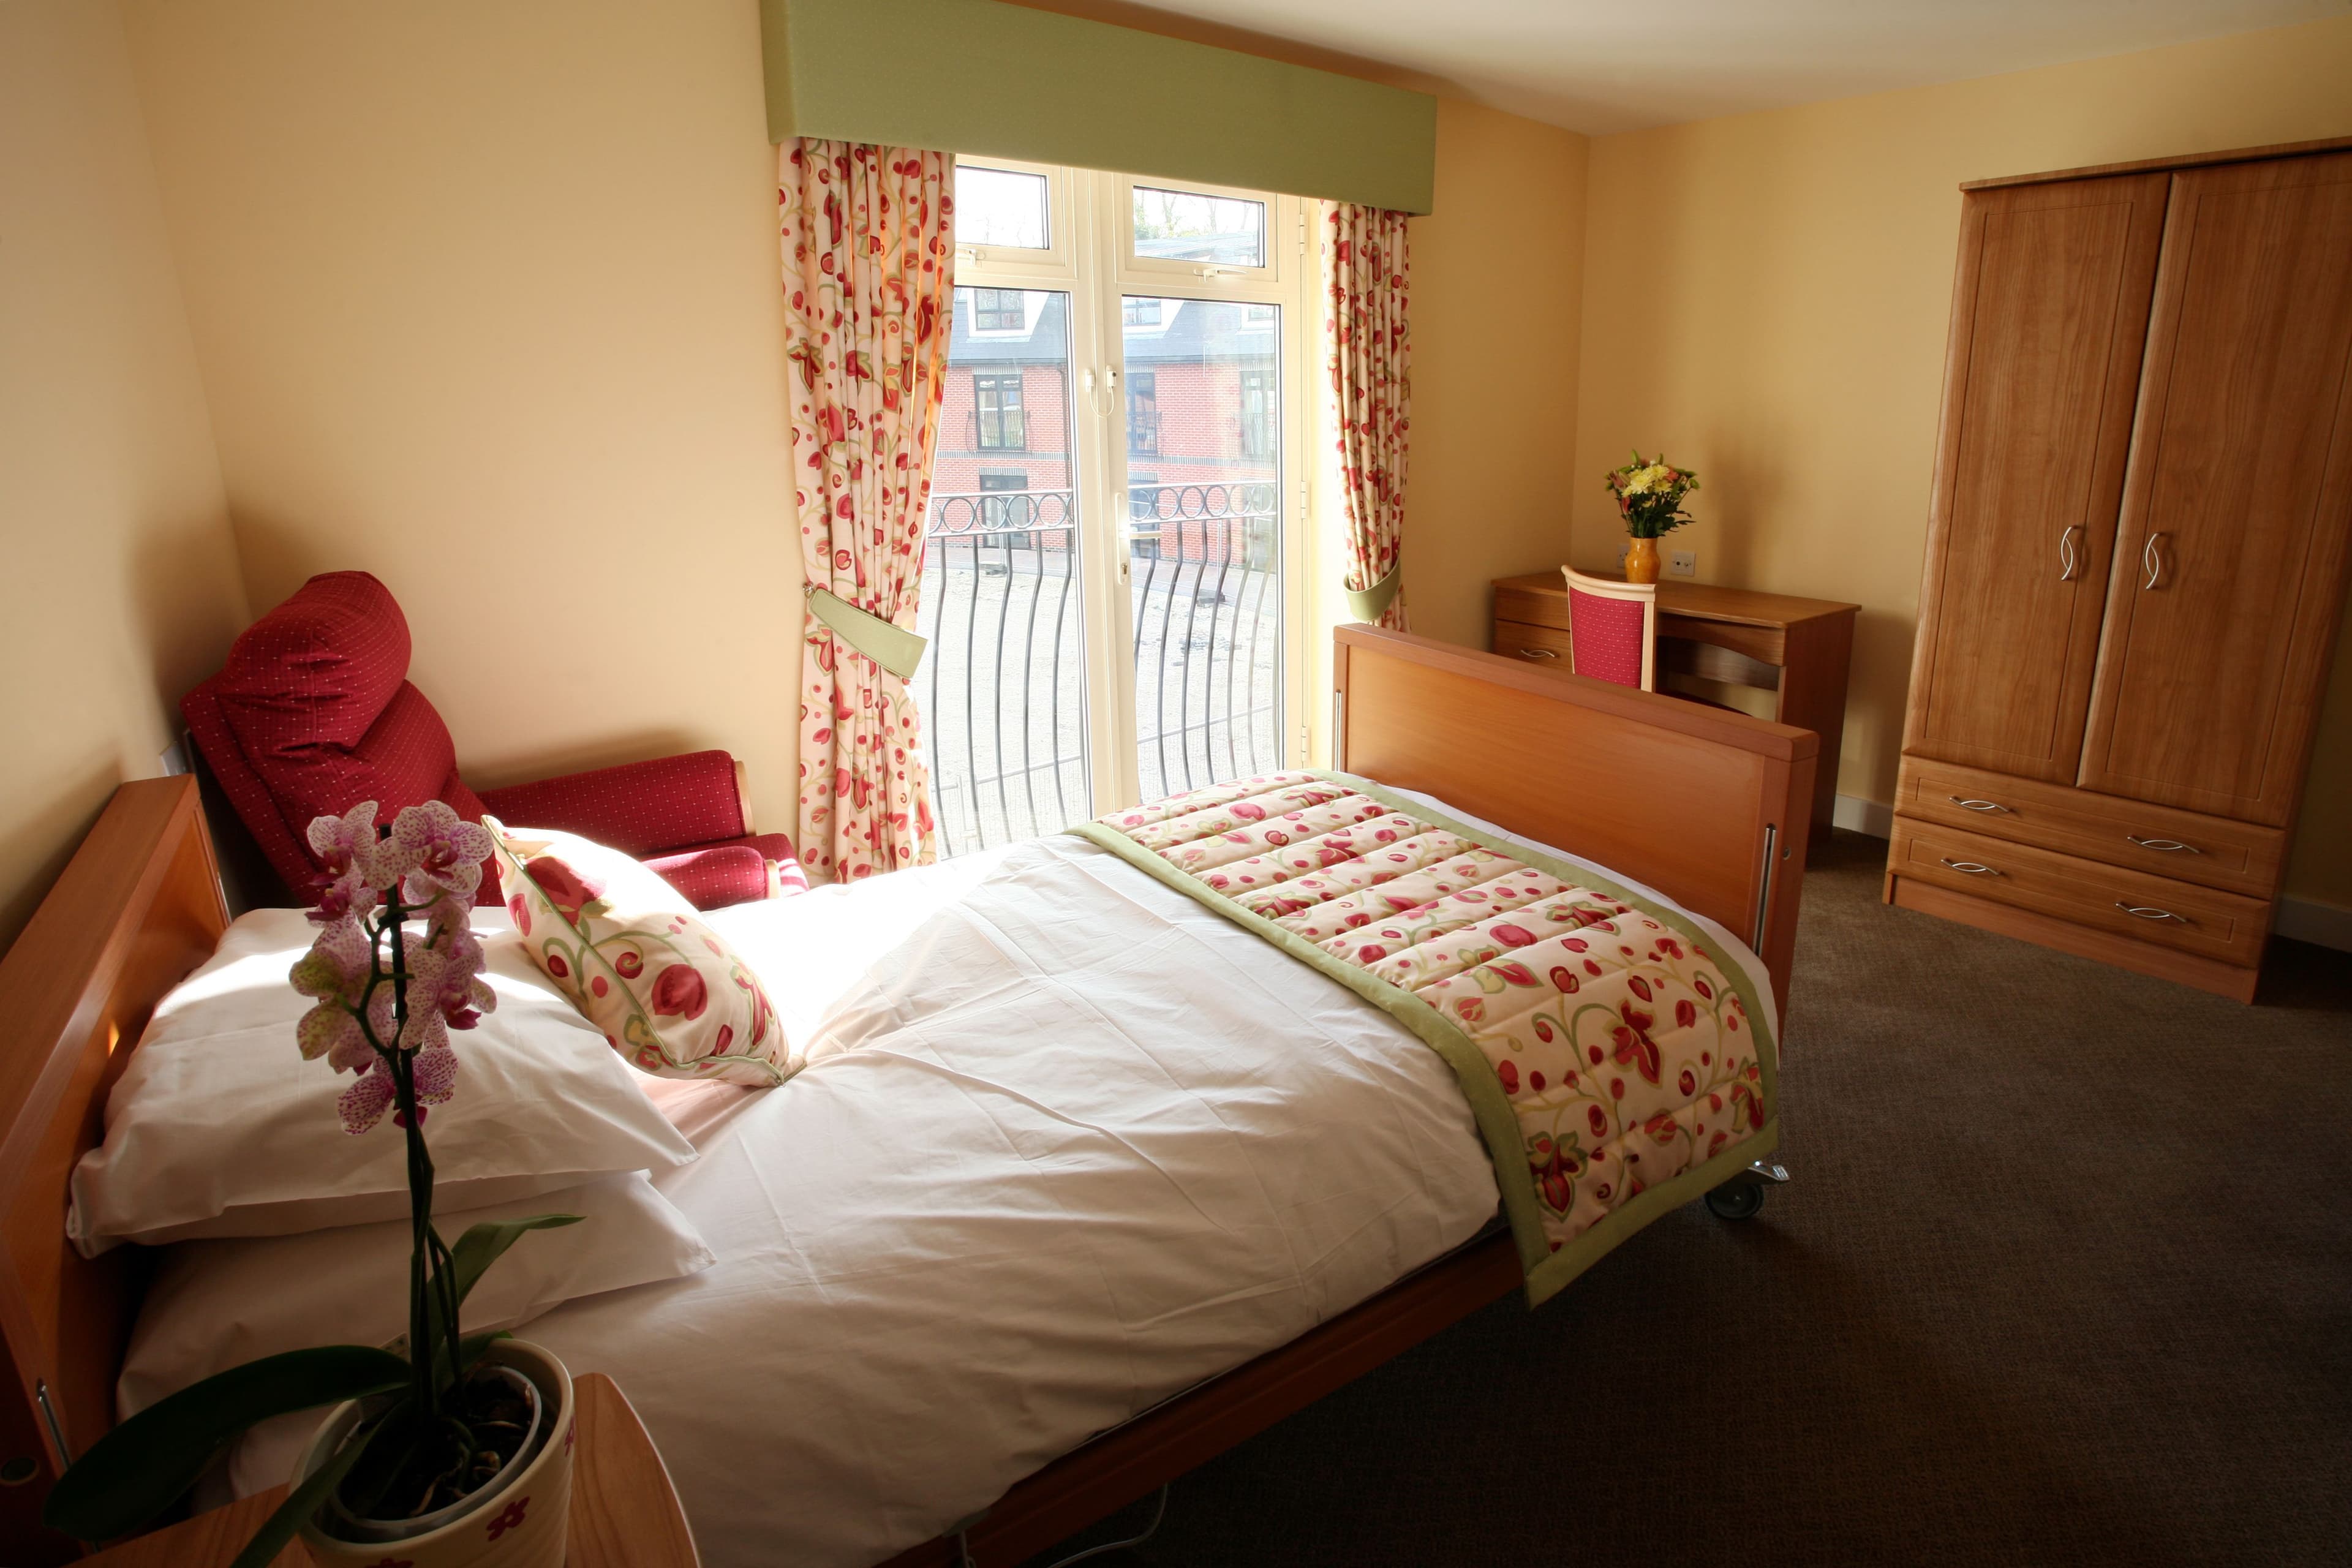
pixel 1710 807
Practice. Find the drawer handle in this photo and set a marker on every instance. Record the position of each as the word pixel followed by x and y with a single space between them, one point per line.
pixel 1536 653
pixel 1973 867
pixel 2142 911
pixel 2167 845
pixel 1976 805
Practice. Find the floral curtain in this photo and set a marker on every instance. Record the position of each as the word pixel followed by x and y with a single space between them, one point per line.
pixel 1367 277
pixel 869 249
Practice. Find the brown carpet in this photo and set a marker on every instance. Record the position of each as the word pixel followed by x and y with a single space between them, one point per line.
pixel 2065 1276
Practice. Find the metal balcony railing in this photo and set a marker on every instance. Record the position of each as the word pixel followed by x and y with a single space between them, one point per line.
pixel 1003 690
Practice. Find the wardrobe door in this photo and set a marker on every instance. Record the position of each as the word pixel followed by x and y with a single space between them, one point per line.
pixel 2228 567
pixel 2049 319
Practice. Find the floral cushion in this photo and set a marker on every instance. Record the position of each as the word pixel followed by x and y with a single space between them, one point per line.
pixel 635 958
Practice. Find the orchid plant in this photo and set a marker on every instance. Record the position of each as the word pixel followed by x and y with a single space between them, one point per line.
pixel 385 997
pixel 1649 493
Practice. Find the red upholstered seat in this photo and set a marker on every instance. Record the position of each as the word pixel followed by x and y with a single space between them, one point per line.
pixel 1611 629
pixel 314 712
pixel 1606 637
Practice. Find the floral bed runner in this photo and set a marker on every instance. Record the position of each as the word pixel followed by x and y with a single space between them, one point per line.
pixel 1616 1060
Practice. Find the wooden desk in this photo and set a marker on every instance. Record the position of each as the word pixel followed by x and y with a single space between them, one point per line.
pixel 624 1513
pixel 1798 649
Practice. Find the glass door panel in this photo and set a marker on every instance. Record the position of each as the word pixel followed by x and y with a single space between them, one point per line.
pixel 1002 687
pixel 1203 428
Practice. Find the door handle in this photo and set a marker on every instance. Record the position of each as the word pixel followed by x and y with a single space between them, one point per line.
pixel 2167 843
pixel 2067 564
pixel 1973 867
pixel 2146 912
pixel 2152 558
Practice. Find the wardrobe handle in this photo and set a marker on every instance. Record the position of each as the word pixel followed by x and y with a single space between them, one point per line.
pixel 2143 912
pixel 1976 805
pixel 2067 564
pixel 2168 844
pixel 2152 559
pixel 1973 867
pixel 1536 653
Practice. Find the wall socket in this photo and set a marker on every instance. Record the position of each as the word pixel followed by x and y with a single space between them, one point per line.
pixel 1683 563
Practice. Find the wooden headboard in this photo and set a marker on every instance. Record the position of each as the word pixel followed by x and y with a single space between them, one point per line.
pixel 1710 807
pixel 139 907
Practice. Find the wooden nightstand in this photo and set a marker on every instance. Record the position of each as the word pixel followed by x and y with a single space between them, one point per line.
pixel 623 1512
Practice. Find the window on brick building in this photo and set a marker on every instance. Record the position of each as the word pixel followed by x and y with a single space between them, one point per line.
pixel 996 310
pixel 996 408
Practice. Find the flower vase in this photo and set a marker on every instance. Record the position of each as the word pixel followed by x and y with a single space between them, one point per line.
pixel 1641 560
pixel 518 1522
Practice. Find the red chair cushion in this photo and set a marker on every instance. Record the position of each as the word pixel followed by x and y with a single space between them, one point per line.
pixel 1605 636
pixel 661 806
pixel 314 703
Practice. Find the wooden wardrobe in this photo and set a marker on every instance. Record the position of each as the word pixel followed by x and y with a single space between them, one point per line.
pixel 2136 557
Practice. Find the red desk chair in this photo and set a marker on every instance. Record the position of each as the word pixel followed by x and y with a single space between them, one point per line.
pixel 1613 629
pixel 313 713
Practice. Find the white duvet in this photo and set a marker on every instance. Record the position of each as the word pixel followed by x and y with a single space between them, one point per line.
pixel 1068 1143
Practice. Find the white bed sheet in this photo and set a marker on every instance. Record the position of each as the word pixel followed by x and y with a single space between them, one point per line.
pixel 1068 1143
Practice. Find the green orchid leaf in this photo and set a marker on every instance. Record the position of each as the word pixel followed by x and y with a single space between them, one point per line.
pixel 301 1503
pixel 484 1243
pixel 140 1469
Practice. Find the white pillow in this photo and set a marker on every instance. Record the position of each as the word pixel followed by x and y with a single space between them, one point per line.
pixel 219 1128
pixel 218 1304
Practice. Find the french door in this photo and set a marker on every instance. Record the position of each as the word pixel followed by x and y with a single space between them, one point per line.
pixel 1113 565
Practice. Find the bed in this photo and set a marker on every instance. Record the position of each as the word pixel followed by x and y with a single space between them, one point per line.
pixel 1705 806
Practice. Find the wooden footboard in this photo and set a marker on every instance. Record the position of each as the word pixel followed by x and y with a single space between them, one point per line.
pixel 1709 807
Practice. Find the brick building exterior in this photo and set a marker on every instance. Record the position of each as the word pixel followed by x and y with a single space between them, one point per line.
pixel 1203 406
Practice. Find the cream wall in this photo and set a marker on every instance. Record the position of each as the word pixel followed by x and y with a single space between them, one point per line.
pixel 486 298
pixel 1498 282
pixel 1767 297
pixel 1494 388
pixel 111 512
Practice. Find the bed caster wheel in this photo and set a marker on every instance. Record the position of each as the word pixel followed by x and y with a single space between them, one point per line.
pixel 1739 1199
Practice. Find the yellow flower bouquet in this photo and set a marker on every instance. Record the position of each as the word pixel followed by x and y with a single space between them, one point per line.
pixel 1649 493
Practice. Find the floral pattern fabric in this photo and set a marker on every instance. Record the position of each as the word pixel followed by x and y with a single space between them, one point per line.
pixel 631 955
pixel 1367 283
pixel 867 235
pixel 1624 1045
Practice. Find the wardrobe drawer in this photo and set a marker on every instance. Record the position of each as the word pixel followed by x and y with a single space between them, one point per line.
pixel 2170 913
pixel 2163 840
pixel 1546 645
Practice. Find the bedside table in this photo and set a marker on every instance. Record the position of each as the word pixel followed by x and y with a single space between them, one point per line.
pixel 623 1511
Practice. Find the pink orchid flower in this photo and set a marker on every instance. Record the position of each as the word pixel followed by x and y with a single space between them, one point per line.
pixel 372 1010
pixel 434 851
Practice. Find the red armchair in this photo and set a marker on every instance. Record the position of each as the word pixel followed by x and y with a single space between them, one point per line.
pixel 313 711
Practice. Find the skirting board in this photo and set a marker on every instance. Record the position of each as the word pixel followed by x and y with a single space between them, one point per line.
pixel 2313 920
pixel 1856 814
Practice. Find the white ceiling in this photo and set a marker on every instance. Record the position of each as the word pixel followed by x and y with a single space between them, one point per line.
pixel 1598 65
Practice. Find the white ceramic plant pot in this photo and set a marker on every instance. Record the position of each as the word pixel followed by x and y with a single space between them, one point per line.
pixel 521 1524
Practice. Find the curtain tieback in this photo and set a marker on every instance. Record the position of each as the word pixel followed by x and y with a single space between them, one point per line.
pixel 1370 604
pixel 888 644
